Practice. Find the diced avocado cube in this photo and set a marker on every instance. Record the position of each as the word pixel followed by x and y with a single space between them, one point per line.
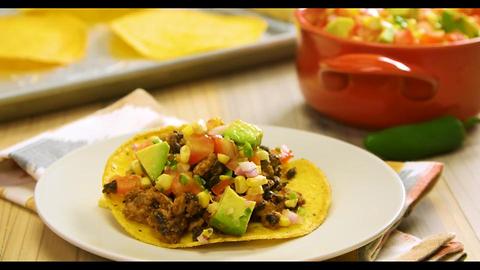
pixel 400 21
pixel 404 12
pixel 340 26
pixel 241 132
pixel 387 35
pixel 449 20
pixel 153 159
pixel 247 150
pixel 469 27
pixel 452 20
pixel 233 213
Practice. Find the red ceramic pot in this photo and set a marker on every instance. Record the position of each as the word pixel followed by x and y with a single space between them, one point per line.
pixel 377 86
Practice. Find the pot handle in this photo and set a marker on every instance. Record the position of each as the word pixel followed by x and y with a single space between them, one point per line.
pixel 334 72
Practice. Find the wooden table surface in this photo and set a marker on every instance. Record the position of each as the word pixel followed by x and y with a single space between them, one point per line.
pixel 267 94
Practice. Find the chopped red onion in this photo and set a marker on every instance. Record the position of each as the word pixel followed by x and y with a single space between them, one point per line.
pixel 246 168
pixel 293 217
pixel 202 239
pixel 217 130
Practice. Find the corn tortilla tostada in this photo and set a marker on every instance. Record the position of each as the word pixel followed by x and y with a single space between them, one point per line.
pixel 193 185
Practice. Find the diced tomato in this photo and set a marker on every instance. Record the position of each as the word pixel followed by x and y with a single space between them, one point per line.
pixel 220 187
pixel 225 146
pixel 455 36
pixel 347 12
pixel 425 26
pixel 126 183
pixel 285 154
pixel 200 147
pixel 257 198
pixel 468 11
pixel 232 164
pixel 193 187
pixel 177 188
pixel 255 159
pixel 404 37
pixel 432 38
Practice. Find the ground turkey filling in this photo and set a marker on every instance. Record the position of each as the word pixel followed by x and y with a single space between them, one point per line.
pixel 172 216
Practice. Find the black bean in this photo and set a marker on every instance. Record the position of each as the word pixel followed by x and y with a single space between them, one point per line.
pixel 196 232
pixel 265 148
pixel 267 194
pixel 260 206
pixel 276 199
pixel 272 219
pixel 291 173
pixel 110 187
pixel 155 205
pixel 276 183
pixel 176 141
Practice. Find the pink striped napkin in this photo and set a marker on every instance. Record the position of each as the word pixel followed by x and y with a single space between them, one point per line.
pixel 22 164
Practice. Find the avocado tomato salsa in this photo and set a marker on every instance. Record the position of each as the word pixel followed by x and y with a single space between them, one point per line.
pixel 405 26
pixel 207 178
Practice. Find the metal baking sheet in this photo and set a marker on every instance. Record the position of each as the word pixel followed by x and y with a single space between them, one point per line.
pixel 101 76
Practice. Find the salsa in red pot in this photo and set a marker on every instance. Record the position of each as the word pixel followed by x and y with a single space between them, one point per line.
pixel 401 25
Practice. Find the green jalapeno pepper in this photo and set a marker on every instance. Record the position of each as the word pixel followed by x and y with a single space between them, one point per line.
pixel 420 140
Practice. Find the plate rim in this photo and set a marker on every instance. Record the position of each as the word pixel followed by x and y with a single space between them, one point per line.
pixel 116 257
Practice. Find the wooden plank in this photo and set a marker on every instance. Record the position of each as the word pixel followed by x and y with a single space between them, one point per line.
pixel 54 248
pixel 462 173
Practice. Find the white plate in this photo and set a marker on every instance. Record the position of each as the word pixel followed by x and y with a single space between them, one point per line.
pixel 368 197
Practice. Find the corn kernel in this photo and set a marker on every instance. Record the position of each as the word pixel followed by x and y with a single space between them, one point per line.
pixel 207 233
pixel 284 221
pixel 155 139
pixel 263 155
pixel 224 177
pixel 255 190
pixel 203 198
pixel 145 182
pixel 163 182
pixel 257 181
pixel 223 158
pixel 214 122
pixel 240 184
pixel 291 203
pixel 136 167
pixel 212 208
pixel 184 154
pixel 187 130
pixel 301 211
pixel 292 195
pixel 198 128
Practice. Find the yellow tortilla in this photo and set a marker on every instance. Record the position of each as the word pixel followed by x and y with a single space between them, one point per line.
pixel 91 16
pixel 284 14
pixel 51 39
pixel 168 33
pixel 309 180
